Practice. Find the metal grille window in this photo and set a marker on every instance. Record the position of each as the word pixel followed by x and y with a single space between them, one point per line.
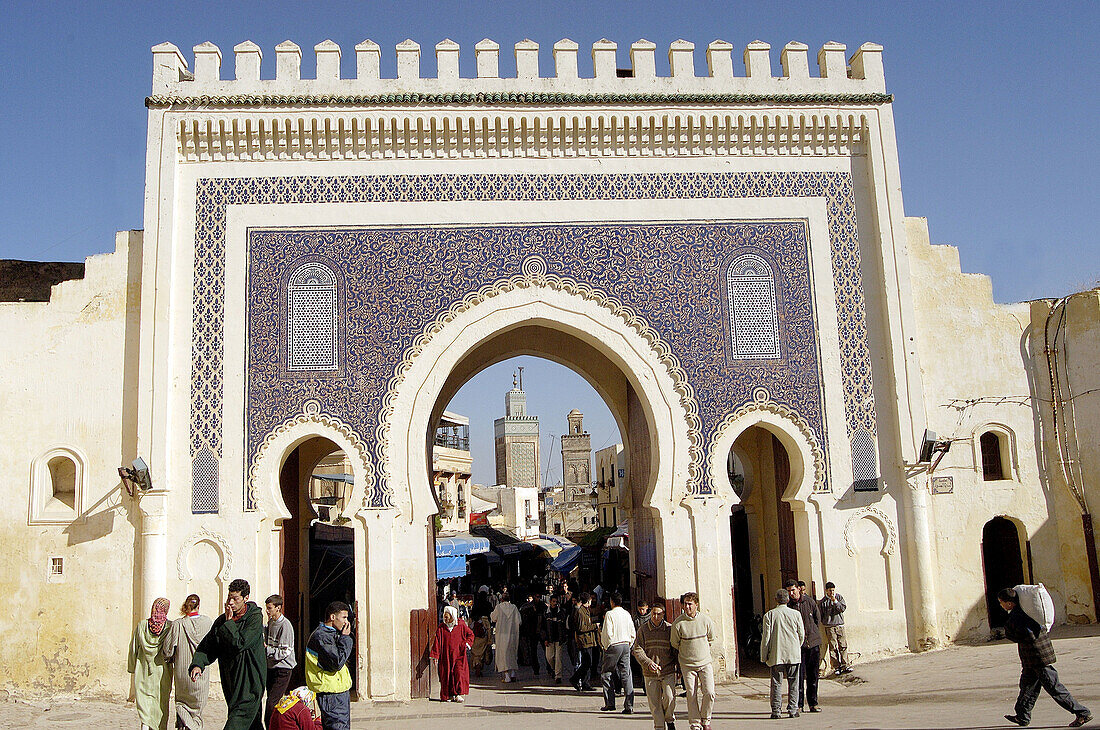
pixel 992 469
pixel 754 317
pixel 311 319
pixel 864 462
pixel 204 483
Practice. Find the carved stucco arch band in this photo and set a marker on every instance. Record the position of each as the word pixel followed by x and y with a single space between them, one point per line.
pixel 420 366
pixel 216 539
pixel 760 411
pixel 877 515
pixel 264 471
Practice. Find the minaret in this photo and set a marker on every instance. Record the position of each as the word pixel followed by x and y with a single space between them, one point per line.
pixel 517 440
pixel 576 459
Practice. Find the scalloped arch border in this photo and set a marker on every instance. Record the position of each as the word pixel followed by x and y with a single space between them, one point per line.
pixel 204 535
pixel 535 277
pixel 762 403
pixel 878 515
pixel 311 414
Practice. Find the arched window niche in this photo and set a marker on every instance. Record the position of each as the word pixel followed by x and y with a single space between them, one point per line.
pixel 753 308
pixel 312 333
pixel 995 452
pixel 57 487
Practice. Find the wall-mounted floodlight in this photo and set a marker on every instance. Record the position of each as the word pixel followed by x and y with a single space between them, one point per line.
pixel 932 447
pixel 135 478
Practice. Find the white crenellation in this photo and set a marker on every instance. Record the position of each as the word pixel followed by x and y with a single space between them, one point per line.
pixel 248 56
pixel 794 58
pixel 588 133
pixel 368 61
pixel 328 61
pixel 408 60
pixel 758 60
pixel 681 59
pixel 446 60
pixel 863 75
pixel 527 59
pixel 720 59
pixel 208 62
pixel 487 54
pixel 603 59
pixel 288 61
pixel 643 59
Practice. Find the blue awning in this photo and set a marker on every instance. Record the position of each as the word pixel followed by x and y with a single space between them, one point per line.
pixel 345 478
pixel 460 546
pixel 450 567
pixel 567 559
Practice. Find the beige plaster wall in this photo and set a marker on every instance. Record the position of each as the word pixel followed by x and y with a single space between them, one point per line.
pixel 65 365
pixel 974 368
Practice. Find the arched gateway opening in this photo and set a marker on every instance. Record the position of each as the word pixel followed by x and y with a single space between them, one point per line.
pixel 1003 564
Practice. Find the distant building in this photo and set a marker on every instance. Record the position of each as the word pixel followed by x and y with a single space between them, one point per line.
pixel 610 478
pixel 568 508
pixel 451 464
pixel 517 441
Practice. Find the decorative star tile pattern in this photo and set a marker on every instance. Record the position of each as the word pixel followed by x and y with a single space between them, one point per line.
pixel 399 279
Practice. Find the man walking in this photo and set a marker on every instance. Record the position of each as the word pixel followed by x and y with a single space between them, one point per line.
pixel 584 636
pixel 811 645
pixel 552 633
pixel 781 649
pixel 692 635
pixel 832 608
pixel 236 642
pixel 1037 659
pixel 617 637
pixel 653 651
pixel 327 675
pixel 279 646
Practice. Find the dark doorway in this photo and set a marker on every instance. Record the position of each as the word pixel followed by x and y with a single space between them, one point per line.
pixel 1003 564
pixel 317 558
pixel 743 608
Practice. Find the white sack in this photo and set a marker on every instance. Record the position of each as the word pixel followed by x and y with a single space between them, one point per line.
pixel 1036 603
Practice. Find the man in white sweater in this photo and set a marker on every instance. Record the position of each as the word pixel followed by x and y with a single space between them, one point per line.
pixel 781 649
pixel 692 635
pixel 617 638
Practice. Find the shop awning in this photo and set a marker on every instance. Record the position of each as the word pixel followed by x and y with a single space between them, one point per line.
pixel 450 567
pixel 345 478
pixel 552 548
pixel 460 545
pixel 620 538
pixel 567 559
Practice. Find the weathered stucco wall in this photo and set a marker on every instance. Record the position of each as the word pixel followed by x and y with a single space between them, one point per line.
pixel 65 363
pixel 974 366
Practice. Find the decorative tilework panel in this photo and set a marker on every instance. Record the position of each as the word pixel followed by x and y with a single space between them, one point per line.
pixel 213 195
pixel 204 483
pixel 522 456
pixel 864 462
pixel 311 319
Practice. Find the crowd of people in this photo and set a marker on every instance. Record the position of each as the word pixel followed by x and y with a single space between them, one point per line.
pixel 254 660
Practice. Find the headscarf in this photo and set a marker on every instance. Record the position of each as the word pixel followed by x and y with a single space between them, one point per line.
pixel 158 616
pixel 305 694
pixel 452 613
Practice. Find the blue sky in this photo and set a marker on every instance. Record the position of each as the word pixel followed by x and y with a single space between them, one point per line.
pixel 995 105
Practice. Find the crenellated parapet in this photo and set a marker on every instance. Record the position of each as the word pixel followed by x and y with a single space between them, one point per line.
pixel 858 77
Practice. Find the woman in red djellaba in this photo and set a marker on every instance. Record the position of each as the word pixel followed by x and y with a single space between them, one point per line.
pixel 452 639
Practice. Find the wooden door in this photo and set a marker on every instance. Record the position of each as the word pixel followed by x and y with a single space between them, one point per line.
pixel 788 553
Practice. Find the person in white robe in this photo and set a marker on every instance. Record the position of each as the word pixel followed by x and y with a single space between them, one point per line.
pixel 178 647
pixel 505 618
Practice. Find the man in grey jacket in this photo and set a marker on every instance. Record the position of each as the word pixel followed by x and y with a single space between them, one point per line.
pixel 781 649
pixel 279 647
pixel 832 609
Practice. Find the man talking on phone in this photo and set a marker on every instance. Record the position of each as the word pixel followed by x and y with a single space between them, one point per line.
pixel 327 674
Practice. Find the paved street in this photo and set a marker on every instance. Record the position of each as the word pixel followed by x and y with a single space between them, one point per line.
pixel 961 687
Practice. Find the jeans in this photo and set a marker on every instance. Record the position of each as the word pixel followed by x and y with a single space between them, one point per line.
pixel 616 660
pixel 586 664
pixel 661 693
pixel 779 672
pixel 277 682
pixel 838 646
pixel 529 649
pixel 1031 679
pixel 335 710
pixel 699 685
pixel 808 675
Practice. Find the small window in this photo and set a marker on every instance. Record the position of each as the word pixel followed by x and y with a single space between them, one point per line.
pixel 992 469
pixel 557 528
pixel 57 487
pixel 57 567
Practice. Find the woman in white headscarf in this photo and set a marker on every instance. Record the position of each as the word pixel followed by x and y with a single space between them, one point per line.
pixel 452 639
pixel 506 620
